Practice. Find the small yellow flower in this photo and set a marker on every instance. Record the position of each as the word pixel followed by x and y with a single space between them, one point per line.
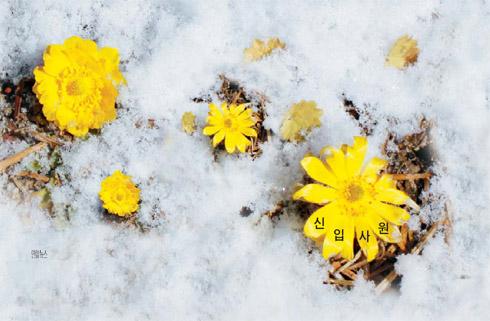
pixel 233 124
pixel 119 195
pixel 355 204
pixel 77 85
pixel 403 52
pixel 260 49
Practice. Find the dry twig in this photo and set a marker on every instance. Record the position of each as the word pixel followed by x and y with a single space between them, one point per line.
pixel 14 159
pixel 401 177
pixel 36 176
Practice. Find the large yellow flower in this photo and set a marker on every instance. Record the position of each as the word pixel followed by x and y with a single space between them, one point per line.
pixel 360 204
pixel 119 194
pixel 77 85
pixel 233 124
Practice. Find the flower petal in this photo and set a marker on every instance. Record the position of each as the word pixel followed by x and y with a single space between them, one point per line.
pixel 355 155
pixel 366 239
pixel 210 130
pixel 246 115
pixel 248 132
pixel 242 143
pixel 339 236
pixel 215 120
pixel 230 142
pixel 316 193
pixel 391 195
pixel 218 137
pixel 384 230
pixel 385 181
pixel 315 168
pixel 237 110
pixel 372 169
pixel 391 213
pixel 315 226
pixel 336 162
pixel 214 111
pixel 336 240
pixel 225 109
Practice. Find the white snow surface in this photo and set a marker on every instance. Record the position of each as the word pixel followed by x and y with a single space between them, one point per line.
pixel 201 260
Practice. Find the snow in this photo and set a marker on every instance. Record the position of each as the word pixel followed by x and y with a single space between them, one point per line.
pixel 200 259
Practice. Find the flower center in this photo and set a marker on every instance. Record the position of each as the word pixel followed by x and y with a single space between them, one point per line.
pixel 73 88
pixel 353 192
pixel 228 123
pixel 79 85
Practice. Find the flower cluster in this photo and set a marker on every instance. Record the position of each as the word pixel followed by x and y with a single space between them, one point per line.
pixel 77 85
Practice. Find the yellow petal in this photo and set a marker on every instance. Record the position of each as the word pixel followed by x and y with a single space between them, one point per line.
pixel 391 213
pixel 391 195
pixel 339 236
pixel 336 240
pixel 246 115
pixel 230 142
pixel 210 130
pixel 385 181
pixel 372 169
pixel 237 110
pixel 317 222
pixel 213 110
pixel 86 45
pixel 315 168
pixel 248 132
pixel 55 60
pixel 242 143
pixel 215 120
pixel 366 239
pixel 355 155
pixel 225 109
pixel 384 230
pixel 316 193
pixel 218 138
pixel 336 161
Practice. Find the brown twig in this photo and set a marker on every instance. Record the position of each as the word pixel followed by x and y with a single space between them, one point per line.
pixel 341 282
pixel 430 233
pixel 385 284
pixel 43 138
pixel 18 99
pixel 36 176
pixel 402 177
pixel 14 159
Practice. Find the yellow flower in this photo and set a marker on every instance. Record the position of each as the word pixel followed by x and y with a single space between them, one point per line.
pixel 77 85
pixel 403 52
pixel 119 195
pixel 260 49
pixel 356 203
pixel 233 124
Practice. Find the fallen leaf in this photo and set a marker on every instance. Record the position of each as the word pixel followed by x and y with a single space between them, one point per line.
pixel 403 53
pixel 189 122
pixel 300 119
pixel 259 49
